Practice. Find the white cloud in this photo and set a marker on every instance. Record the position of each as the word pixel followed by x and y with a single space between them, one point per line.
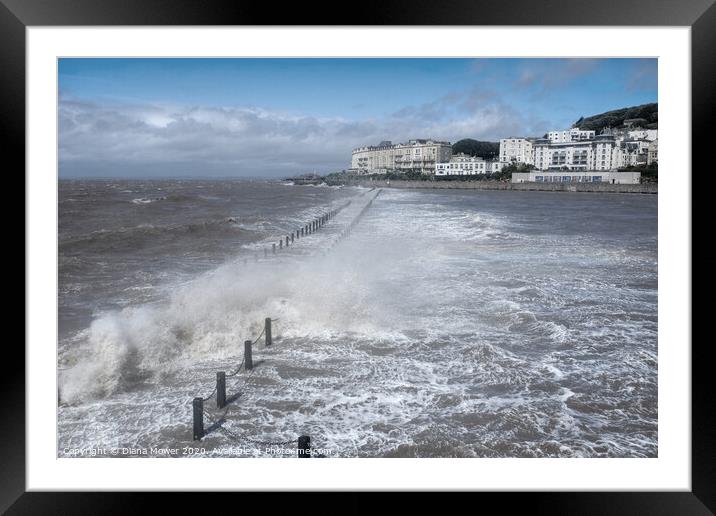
pixel 255 141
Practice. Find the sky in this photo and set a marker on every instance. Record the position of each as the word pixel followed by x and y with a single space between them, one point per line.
pixel 267 117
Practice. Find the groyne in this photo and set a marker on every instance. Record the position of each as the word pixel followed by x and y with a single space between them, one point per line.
pixel 645 188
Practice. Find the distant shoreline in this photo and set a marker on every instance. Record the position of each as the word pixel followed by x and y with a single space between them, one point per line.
pixel 645 188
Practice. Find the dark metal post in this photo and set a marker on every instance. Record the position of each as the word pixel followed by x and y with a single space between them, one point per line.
pixel 248 363
pixel 304 447
pixel 292 237
pixel 280 243
pixel 286 241
pixel 220 389
pixel 267 331
pixel 274 248
pixel 198 405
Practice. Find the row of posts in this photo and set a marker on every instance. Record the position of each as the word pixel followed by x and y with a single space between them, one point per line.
pixel 347 231
pixel 306 230
pixel 198 402
pixel 304 441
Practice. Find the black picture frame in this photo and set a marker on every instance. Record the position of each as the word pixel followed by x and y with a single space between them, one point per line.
pixel 700 15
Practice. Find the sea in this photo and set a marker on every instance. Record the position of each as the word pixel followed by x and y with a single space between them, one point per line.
pixel 414 323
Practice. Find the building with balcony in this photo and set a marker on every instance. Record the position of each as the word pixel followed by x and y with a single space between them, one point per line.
pixel 604 152
pixel 461 165
pixel 570 135
pixel 415 155
pixel 516 150
pixel 464 165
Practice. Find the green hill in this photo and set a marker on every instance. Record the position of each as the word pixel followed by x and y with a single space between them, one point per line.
pixel 485 150
pixel 647 113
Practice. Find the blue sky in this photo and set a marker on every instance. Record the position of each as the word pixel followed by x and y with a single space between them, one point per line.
pixel 140 117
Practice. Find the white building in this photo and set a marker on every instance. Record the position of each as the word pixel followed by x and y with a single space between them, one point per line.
pixel 653 152
pixel 643 134
pixel 590 176
pixel 464 165
pixel 461 165
pixel 495 166
pixel 603 153
pixel 419 155
pixel 571 155
pixel 516 150
pixel 570 135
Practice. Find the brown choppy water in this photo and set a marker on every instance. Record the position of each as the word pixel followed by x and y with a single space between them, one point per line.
pixel 449 324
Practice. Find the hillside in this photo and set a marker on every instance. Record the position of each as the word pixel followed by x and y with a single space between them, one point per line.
pixel 649 113
pixel 485 150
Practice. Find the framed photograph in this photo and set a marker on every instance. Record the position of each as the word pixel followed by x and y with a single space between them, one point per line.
pixel 430 248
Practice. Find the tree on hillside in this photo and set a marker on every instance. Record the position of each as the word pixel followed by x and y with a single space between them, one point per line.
pixel 485 150
pixel 649 113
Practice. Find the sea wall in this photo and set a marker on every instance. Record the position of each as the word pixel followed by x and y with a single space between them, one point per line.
pixel 646 188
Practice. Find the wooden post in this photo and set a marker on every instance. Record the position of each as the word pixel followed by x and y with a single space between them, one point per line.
pixel 198 405
pixel 248 363
pixel 304 447
pixel 267 332
pixel 220 389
